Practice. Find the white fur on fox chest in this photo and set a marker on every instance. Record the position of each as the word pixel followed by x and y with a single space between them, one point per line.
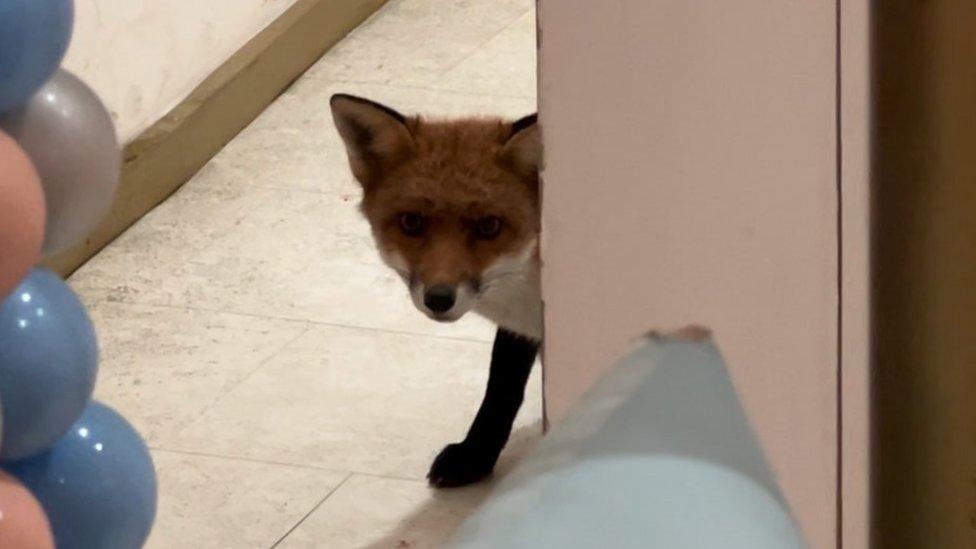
pixel 512 296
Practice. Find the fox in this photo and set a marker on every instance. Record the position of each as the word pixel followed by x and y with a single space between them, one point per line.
pixel 453 207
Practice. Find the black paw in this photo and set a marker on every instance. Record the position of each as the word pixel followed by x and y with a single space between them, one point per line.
pixel 458 465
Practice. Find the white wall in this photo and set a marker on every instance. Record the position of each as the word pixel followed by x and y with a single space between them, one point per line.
pixel 145 56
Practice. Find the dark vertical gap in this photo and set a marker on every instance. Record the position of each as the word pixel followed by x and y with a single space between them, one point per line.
pixel 538 95
pixel 922 464
pixel 840 282
pixel 901 157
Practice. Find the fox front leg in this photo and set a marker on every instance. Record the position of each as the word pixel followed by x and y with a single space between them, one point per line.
pixel 473 459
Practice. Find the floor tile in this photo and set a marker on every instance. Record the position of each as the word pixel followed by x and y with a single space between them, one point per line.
pixel 276 253
pixel 218 503
pixel 354 400
pixel 294 144
pixel 296 255
pixel 414 42
pixel 298 227
pixel 162 367
pixel 356 294
pixel 272 155
pixel 433 103
pixel 150 251
pixel 505 65
pixel 383 513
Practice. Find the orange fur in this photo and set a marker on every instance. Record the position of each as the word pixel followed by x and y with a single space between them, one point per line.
pixel 453 173
pixel 455 176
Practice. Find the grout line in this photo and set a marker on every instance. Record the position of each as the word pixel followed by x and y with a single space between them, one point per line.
pixel 445 89
pixel 291 319
pixel 315 508
pixel 388 477
pixel 246 459
pixel 284 464
pixel 261 363
pixel 312 191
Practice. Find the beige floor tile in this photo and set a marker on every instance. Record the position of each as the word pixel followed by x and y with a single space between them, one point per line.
pixel 294 144
pixel 382 513
pixel 300 256
pixel 218 503
pixel 429 102
pixel 505 65
pixel 342 293
pixel 271 252
pixel 150 251
pixel 302 227
pixel 271 155
pixel 414 42
pixel 355 400
pixel 162 367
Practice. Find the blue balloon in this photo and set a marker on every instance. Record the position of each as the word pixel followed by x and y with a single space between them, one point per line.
pixel 97 484
pixel 34 35
pixel 48 362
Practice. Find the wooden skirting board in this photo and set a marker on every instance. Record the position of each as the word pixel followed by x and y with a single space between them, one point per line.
pixel 167 155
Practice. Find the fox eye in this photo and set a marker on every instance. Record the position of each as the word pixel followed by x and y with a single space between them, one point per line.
pixel 488 227
pixel 411 223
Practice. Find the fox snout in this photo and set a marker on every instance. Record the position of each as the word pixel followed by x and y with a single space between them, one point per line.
pixel 440 298
pixel 442 277
pixel 443 302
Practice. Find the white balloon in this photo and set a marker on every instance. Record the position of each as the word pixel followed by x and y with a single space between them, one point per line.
pixel 69 135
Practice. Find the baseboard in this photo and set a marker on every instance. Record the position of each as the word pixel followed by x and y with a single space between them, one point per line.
pixel 167 155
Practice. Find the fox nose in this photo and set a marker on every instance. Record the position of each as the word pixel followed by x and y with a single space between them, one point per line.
pixel 439 298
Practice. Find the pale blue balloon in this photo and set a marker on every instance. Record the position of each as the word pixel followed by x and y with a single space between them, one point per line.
pixel 97 484
pixel 34 35
pixel 48 362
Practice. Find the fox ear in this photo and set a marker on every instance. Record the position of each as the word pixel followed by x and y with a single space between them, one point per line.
pixel 377 137
pixel 523 150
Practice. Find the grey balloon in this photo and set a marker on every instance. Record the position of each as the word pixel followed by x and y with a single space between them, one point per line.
pixel 69 135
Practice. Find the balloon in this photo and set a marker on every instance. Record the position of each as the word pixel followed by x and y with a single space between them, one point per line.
pixel 48 360
pixel 34 34
pixel 69 135
pixel 97 484
pixel 23 523
pixel 21 215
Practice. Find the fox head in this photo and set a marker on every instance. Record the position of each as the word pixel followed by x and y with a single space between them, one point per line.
pixel 453 204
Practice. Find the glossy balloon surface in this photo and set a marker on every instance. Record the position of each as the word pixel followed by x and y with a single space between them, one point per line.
pixel 70 137
pixel 34 35
pixel 48 363
pixel 97 484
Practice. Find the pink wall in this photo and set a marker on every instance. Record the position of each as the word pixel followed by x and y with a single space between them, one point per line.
pixel 855 107
pixel 691 176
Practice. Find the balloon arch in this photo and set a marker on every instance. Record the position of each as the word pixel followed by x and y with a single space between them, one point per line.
pixel 73 472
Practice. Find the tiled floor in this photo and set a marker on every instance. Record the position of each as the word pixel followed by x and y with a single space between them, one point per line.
pixel 291 394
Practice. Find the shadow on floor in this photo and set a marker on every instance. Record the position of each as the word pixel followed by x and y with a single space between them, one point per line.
pixel 446 509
